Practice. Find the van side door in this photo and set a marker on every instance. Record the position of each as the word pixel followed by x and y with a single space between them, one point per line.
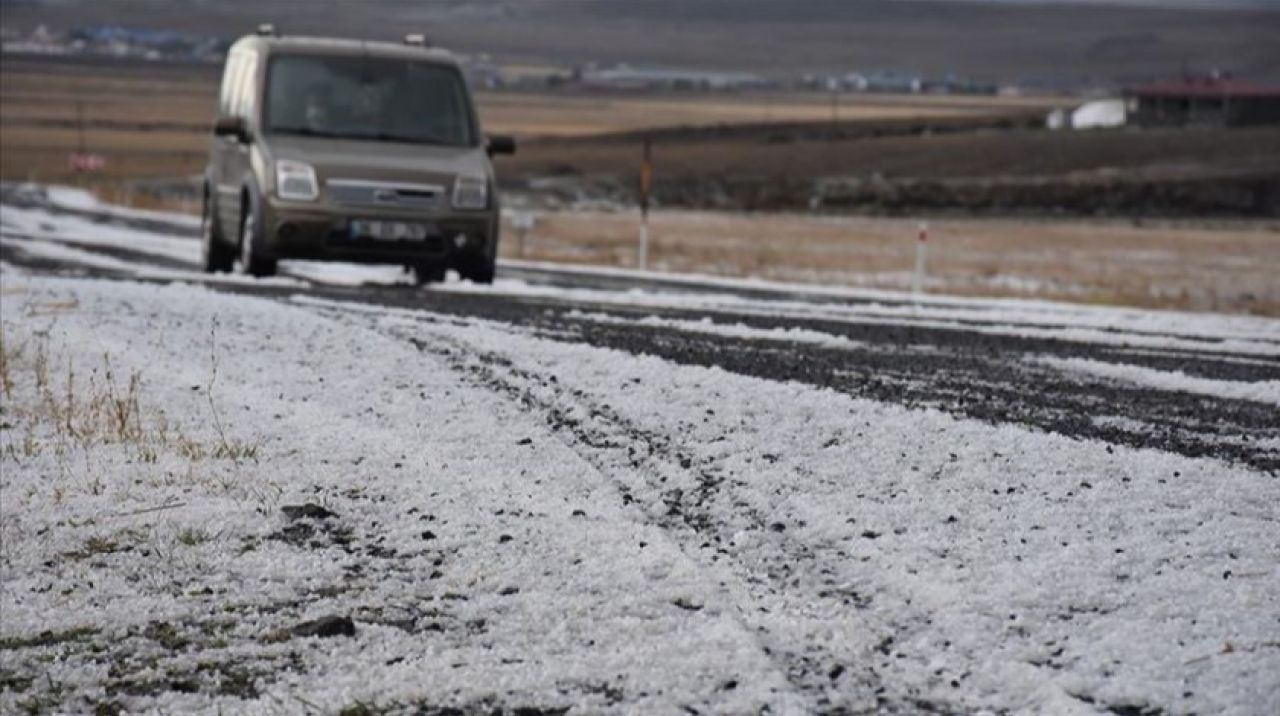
pixel 232 153
pixel 246 104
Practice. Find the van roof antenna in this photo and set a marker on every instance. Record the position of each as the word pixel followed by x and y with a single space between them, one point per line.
pixel 417 39
pixel 267 29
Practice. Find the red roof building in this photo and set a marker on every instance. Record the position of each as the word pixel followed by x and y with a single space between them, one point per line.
pixel 1208 100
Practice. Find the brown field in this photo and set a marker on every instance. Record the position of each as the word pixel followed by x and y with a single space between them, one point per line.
pixel 527 114
pixel 164 110
pixel 148 121
pixel 937 155
pixel 1228 268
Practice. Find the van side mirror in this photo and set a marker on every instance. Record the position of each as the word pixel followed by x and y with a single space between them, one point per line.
pixel 500 144
pixel 230 126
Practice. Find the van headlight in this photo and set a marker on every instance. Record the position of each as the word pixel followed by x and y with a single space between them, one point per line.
pixel 470 193
pixel 296 181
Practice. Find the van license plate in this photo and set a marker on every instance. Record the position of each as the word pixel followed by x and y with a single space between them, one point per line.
pixel 390 230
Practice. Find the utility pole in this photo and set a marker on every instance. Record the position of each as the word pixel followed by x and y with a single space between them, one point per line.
pixel 80 126
pixel 80 140
pixel 646 186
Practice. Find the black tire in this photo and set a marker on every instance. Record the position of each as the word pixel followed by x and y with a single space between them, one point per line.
pixel 252 262
pixel 215 255
pixel 426 273
pixel 479 271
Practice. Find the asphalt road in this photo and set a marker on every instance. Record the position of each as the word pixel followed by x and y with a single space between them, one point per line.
pixel 960 368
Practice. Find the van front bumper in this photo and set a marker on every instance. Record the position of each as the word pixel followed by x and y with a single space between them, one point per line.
pixel 296 230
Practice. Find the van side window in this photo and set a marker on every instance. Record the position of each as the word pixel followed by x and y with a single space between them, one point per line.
pixel 237 83
pixel 229 76
pixel 248 90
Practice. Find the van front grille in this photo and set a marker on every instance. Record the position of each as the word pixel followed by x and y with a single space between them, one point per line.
pixel 356 192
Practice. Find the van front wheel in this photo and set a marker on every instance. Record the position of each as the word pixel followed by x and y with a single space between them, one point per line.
pixel 479 271
pixel 425 273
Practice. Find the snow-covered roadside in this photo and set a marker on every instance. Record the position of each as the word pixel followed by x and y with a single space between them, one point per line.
pixel 479 557
pixel 70 197
pixel 70 238
pixel 708 327
pixel 1184 332
pixel 46 226
pixel 1258 391
pixel 1038 570
pixel 1267 391
pixel 524 522
pixel 903 306
pixel 1037 319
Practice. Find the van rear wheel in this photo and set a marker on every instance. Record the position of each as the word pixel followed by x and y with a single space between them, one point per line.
pixel 252 262
pixel 215 255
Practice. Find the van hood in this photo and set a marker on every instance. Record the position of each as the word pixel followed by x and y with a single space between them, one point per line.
pixel 380 161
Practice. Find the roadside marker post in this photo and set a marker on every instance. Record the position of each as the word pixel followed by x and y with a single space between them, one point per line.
pixel 643 261
pixel 922 246
pixel 80 162
pixel 522 221
pixel 646 185
pixel 80 126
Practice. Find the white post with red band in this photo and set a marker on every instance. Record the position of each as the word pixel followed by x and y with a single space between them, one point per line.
pixel 522 222
pixel 922 244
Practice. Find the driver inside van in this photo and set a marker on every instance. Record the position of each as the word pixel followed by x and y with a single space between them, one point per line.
pixel 316 112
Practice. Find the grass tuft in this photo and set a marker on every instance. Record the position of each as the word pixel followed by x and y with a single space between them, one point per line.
pixel 48 638
pixel 95 408
pixel 193 537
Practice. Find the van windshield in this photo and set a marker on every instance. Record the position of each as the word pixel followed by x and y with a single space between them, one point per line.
pixel 380 99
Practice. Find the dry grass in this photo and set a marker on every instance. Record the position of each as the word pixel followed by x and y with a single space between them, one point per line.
pixel 39 106
pixel 58 405
pixel 526 114
pixel 112 142
pixel 1229 268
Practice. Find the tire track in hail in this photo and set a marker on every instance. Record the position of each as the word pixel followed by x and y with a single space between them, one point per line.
pixel 638 463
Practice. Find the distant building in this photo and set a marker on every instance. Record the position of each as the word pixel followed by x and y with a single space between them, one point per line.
pixel 481 71
pixel 626 77
pixel 884 81
pixel 1211 100
pixel 954 84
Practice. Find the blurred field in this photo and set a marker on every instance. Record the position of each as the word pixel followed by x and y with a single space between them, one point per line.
pixel 150 122
pixel 527 114
pixel 957 154
pixel 1227 268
